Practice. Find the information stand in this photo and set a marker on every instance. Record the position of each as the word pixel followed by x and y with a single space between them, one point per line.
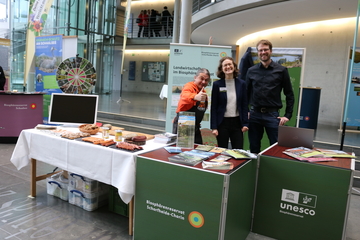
pixel 300 200
pixel 19 111
pixel 176 201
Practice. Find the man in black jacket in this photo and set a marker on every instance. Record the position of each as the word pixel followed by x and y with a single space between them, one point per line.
pixel 265 81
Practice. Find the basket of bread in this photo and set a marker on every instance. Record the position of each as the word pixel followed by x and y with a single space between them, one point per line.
pixel 135 139
pixel 89 128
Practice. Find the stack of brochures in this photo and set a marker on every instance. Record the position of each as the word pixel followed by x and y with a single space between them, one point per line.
pixel 309 155
pixel 165 138
pixel 218 165
pixel 190 158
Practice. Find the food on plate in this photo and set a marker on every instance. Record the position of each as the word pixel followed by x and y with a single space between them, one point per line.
pixel 128 146
pixel 129 136
pixel 138 140
pixel 92 139
pixel 72 135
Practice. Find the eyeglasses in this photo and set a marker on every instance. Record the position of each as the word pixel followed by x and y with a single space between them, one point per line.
pixel 264 50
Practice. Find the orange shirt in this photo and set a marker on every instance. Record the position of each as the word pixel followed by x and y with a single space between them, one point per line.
pixel 187 95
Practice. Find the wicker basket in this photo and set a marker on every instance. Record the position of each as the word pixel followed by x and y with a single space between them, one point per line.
pixel 89 128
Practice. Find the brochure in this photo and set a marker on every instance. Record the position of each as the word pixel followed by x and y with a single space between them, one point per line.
pixel 195 151
pixel 173 149
pixel 204 147
pixel 218 165
pixel 165 138
pixel 188 158
pixel 240 154
pixel 220 158
pixel 335 153
pixel 306 154
pixel 218 150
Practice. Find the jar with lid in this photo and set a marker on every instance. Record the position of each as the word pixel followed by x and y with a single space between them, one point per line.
pixel 105 132
pixel 118 135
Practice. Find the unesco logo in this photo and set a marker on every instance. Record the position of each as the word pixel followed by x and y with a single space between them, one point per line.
pixel 306 201
pixel 177 51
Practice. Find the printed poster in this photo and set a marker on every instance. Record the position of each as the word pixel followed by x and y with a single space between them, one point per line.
pixel 48 56
pixel 352 117
pixel 185 60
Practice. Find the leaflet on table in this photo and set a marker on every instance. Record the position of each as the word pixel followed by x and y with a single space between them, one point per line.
pixel 187 159
pixel 173 149
pixel 335 153
pixel 221 158
pixel 240 154
pixel 306 154
pixel 208 148
pixel 218 165
pixel 204 147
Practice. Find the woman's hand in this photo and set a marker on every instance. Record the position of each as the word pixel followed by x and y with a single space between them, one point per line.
pixel 215 132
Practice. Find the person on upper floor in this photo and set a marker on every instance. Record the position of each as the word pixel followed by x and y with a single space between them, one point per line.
pixel 166 21
pixel 141 20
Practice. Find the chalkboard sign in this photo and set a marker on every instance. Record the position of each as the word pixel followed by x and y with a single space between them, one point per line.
pixel 153 71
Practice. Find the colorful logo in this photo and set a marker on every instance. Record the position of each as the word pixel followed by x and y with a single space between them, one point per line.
pixel 223 54
pixel 307 118
pixel 196 219
pixel 33 105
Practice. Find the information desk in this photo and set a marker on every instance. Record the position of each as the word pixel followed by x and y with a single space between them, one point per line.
pixel 301 200
pixel 176 201
pixel 108 165
pixel 19 111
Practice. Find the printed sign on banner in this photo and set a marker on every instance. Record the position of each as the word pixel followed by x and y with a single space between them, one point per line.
pixel 185 60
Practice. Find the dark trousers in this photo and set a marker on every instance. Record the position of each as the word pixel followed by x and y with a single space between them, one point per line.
pixel 230 128
pixel 2 84
pixel 140 29
pixel 257 123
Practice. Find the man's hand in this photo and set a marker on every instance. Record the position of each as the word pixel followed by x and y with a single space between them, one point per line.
pixel 283 120
pixel 201 96
pixel 244 129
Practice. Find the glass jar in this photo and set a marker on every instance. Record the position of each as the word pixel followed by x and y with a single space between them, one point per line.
pixel 105 133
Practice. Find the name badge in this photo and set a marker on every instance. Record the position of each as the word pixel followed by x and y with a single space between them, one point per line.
pixel 222 89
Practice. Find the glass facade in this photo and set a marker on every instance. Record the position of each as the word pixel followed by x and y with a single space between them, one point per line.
pixel 92 21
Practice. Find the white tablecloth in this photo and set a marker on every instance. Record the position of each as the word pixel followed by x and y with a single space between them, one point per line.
pixel 111 166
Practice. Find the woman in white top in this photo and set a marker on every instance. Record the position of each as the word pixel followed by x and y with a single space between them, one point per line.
pixel 229 107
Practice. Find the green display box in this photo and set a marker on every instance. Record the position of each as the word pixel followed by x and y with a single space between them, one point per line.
pixel 116 205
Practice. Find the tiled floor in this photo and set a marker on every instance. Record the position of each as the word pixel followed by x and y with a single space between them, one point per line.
pixel 46 217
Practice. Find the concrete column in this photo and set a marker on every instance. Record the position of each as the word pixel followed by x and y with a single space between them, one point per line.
pixel 176 26
pixel 185 21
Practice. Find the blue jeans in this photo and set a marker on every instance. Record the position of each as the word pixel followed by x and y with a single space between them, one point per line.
pixel 257 123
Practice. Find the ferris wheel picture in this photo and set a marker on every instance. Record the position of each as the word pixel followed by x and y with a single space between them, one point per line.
pixel 76 75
